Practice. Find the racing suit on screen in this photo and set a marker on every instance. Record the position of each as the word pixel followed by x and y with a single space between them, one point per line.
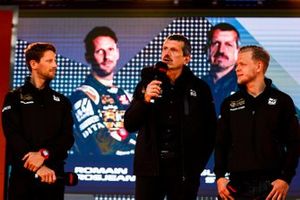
pixel 223 88
pixel 98 113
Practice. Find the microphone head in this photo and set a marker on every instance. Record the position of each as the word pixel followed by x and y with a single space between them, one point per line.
pixel 161 67
pixel 70 178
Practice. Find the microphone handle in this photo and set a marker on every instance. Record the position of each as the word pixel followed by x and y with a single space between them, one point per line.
pixel 152 100
pixel 69 178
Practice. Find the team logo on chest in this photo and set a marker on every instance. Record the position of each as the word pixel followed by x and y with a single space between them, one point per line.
pixel 26 99
pixel 237 105
pixel 193 93
pixel 56 98
pixel 272 101
pixel 123 100
pixel 107 100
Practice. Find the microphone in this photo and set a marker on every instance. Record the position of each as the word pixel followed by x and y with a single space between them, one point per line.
pixel 160 69
pixel 68 178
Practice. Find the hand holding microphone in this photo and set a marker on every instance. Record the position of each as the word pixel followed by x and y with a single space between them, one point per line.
pixel 153 91
pixel 45 174
pixel 154 88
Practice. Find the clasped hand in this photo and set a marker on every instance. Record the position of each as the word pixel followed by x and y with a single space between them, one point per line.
pixel 34 162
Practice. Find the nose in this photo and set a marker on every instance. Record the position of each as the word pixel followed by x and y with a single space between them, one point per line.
pixel 101 54
pixel 237 68
pixel 222 48
pixel 55 64
pixel 104 55
pixel 166 53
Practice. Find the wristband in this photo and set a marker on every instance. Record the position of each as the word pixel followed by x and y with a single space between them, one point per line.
pixel 44 153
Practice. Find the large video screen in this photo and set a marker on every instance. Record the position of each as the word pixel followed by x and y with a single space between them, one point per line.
pixel 139 41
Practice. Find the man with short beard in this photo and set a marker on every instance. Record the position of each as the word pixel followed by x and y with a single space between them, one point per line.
pixel 98 105
pixel 174 115
pixel 37 124
pixel 223 45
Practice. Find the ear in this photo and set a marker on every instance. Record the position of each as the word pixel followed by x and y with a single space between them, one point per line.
pixel 260 66
pixel 118 53
pixel 187 59
pixel 237 52
pixel 89 58
pixel 33 64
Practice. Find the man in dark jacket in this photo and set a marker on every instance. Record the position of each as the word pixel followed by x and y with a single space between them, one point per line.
pixel 173 112
pixel 257 135
pixel 37 124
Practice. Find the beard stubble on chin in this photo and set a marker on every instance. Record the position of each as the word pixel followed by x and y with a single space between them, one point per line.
pixel 217 68
pixel 101 72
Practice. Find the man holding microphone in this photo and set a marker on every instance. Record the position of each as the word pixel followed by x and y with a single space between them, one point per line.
pixel 176 131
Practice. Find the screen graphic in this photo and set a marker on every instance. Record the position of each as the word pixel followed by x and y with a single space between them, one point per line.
pixel 140 41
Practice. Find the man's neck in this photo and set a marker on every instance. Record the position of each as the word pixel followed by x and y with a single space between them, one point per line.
pixel 37 82
pixel 173 74
pixel 255 88
pixel 217 75
pixel 105 80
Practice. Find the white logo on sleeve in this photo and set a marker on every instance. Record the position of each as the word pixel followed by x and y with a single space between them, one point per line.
pixel 6 108
pixel 83 109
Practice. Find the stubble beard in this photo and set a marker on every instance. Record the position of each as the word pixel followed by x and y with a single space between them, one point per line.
pixel 101 72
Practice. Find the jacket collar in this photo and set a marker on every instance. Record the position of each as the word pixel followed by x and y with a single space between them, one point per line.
pixel 28 85
pixel 185 75
pixel 268 83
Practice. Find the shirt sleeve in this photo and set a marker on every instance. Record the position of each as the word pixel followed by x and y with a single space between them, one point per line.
pixel 222 143
pixel 12 127
pixel 138 110
pixel 291 132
